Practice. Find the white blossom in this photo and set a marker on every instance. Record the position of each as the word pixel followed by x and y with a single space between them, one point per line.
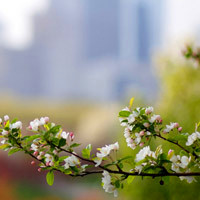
pixel 170 127
pixel 143 153
pixel 17 125
pixel 192 138
pixel 107 185
pixel 71 161
pixel 155 118
pixel 34 147
pixel 6 118
pixel 149 110
pixel 4 132
pixel 34 125
pixel 105 151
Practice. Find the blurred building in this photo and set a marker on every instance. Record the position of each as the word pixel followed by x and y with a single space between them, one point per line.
pixel 92 50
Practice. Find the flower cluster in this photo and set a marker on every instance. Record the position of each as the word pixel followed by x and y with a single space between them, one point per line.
pixel 139 125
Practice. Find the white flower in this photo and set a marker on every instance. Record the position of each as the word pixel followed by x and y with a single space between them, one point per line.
pixel 0 120
pixel 17 125
pixel 149 110
pixel 71 161
pixel 35 124
pixel 155 118
pixel 143 153
pixel 48 157
pixel 4 132
pixel 105 151
pixel 107 185
pixel 114 146
pixel 184 161
pixel 44 120
pixel 6 118
pixel 131 118
pixel 170 127
pixel 34 147
pixel 192 138
pixel 127 133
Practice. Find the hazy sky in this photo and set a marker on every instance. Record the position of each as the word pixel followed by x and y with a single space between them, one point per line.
pixel 16 21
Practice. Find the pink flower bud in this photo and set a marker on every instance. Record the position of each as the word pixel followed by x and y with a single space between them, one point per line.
pixel 141 144
pixel 36 153
pixel 39 169
pixel 146 124
pixel 141 133
pixel 170 151
pixel 32 162
pixel 39 157
pixel 4 123
pixel 176 125
pixel 30 127
pixel 71 134
pixel 47 164
pixel 161 121
pixel 180 129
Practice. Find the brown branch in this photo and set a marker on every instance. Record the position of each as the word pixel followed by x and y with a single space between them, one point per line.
pixel 176 143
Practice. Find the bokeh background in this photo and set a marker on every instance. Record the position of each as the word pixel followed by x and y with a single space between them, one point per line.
pixel 79 62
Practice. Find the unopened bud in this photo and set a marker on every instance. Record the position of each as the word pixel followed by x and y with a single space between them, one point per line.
pixel 39 157
pixel 36 153
pixel 32 162
pixel 146 124
pixel 39 169
pixel 180 129
pixel 176 125
pixel 141 133
pixel 141 144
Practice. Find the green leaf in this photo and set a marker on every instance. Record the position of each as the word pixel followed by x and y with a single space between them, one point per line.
pixel 4 146
pixel 30 138
pixel 7 125
pixel 62 142
pixel 124 113
pixel 12 151
pixel 55 129
pixel 125 158
pixel 89 147
pixel 75 145
pixel 61 159
pixel 14 120
pixel 130 179
pixel 117 183
pixel 86 153
pixel 50 178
